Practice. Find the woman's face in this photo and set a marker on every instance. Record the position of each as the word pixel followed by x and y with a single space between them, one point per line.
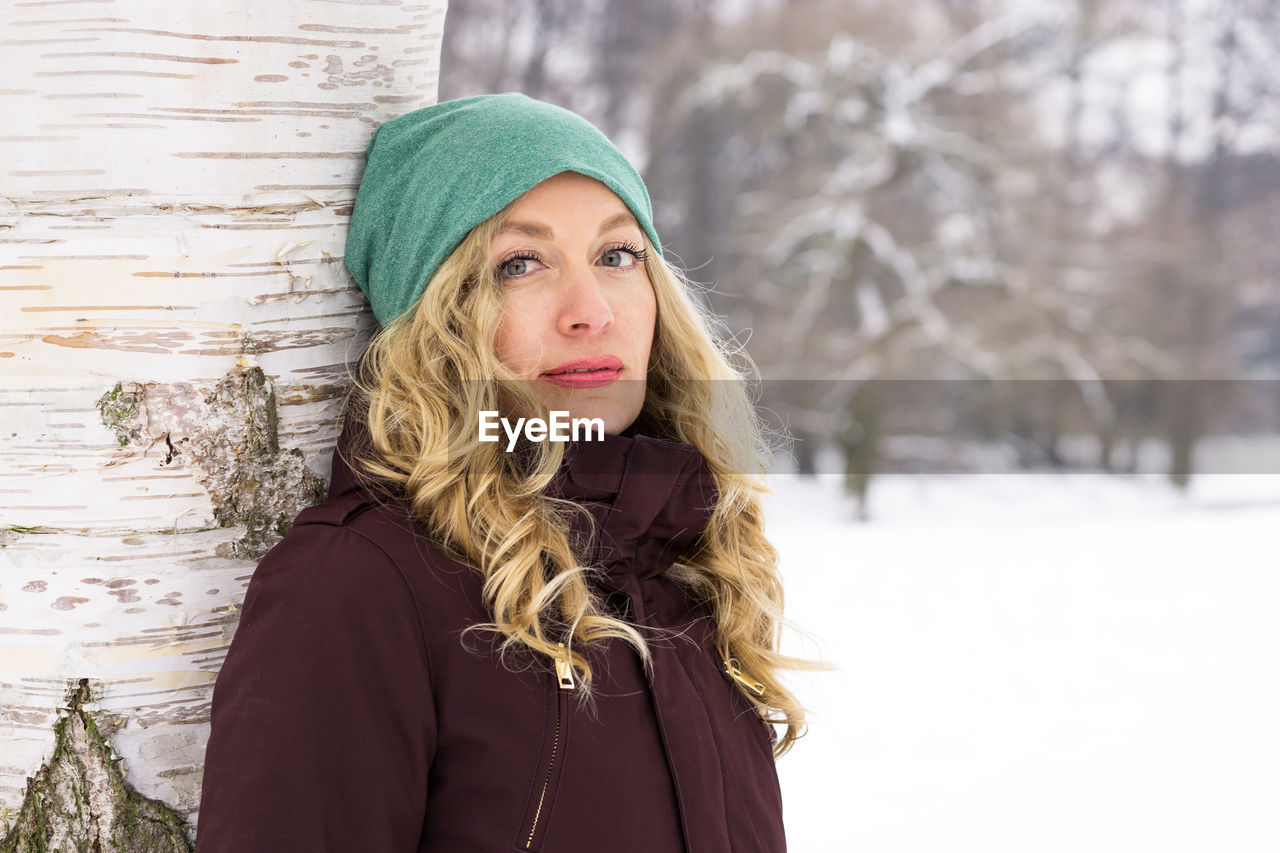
pixel 570 261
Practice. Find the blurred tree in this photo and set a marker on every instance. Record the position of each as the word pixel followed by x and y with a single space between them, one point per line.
pixel 585 56
pixel 855 192
pixel 1184 270
pixel 955 189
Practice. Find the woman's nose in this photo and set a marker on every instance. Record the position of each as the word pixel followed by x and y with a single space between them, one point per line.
pixel 585 308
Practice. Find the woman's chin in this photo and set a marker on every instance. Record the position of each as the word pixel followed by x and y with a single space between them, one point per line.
pixel 615 411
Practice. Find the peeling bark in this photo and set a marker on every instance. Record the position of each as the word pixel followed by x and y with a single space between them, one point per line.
pixel 78 802
pixel 228 434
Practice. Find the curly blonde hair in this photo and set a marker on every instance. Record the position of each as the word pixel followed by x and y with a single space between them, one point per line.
pixel 426 377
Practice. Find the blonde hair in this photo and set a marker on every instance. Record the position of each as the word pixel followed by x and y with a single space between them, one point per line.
pixel 429 373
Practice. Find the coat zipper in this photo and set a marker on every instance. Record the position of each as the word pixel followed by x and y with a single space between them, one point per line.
pixel 732 668
pixel 564 675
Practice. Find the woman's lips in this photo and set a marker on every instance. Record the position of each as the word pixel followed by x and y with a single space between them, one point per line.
pixel 586 372
pixel 592 379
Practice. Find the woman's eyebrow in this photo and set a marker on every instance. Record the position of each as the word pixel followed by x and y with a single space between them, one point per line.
pixel 617 222
pixel 542 232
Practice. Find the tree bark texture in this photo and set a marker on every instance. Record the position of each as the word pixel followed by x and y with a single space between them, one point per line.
pixel 176 327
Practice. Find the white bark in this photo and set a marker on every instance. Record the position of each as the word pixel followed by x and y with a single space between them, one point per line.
pixel 175 185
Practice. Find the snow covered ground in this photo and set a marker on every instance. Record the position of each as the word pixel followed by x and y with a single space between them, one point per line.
pixel 1034 663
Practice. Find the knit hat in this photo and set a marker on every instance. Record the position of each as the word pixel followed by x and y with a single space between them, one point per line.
pixel 433 174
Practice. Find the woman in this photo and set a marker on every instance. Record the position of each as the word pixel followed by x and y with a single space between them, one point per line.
pixel 477 645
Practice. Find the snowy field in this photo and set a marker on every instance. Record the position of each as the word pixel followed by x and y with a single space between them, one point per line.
pixel 1034 663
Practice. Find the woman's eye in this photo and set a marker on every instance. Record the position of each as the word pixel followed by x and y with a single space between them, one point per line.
pixel 636 253
pixel 621 255
pixel 516 266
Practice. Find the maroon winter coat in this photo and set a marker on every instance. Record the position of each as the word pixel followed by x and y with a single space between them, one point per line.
pixel 350 715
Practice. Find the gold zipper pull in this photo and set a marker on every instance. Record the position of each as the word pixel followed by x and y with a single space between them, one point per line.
pixel 564 669
pixel 731 667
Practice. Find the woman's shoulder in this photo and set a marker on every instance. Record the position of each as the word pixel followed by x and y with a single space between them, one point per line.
pixel 322 559
pixel 384 526
pixel 356 540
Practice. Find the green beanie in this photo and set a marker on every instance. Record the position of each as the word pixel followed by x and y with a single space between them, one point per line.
pixel 435 173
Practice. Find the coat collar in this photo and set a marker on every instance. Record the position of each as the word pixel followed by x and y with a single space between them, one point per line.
pixel 650 498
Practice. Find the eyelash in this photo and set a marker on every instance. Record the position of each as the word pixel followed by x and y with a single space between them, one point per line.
pixel 637 252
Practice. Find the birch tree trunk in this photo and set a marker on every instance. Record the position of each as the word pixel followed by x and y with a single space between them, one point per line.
pixel 176 327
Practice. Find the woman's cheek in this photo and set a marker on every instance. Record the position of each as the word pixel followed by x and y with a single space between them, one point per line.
pixel 516 346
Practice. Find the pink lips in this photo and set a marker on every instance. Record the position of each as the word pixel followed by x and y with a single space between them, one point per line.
pixel 595 372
